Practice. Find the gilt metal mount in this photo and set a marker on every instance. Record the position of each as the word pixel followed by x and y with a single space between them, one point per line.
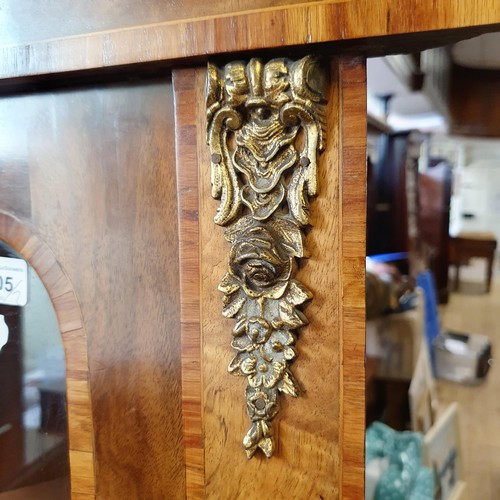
pixel 265 130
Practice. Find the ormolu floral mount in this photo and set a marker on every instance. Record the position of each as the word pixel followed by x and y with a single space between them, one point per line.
pixel 265 129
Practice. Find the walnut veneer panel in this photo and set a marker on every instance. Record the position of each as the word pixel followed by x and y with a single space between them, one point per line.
pixel 31 20
pixel 102 195
pixel 352 115
pixel 231 29
pixel 189 247
pixel 320 435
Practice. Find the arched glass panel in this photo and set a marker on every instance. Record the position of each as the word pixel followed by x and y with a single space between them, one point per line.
pixel 34 461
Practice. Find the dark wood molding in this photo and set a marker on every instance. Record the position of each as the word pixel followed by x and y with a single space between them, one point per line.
pixel 475 102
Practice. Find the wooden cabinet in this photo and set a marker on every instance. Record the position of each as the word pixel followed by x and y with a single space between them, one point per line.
pixel 408 210
pixel 434 200
pixel 106 175
pixel 392 212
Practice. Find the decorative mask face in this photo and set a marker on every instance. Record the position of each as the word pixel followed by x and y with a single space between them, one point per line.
pixel 276 82
pixel 235 83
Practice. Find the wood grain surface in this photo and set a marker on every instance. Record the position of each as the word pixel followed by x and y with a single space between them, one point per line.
pixel 352 117
pixel 185 83
pixel 475 102
pixel 103 197
pixel 320 435
pixel 224 27
pixel 80 427
pixel 30 20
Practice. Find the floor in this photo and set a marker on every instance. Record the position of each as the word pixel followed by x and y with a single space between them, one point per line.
pixel 473 311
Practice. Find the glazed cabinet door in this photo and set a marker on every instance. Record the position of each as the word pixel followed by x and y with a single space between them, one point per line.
pixel 88 187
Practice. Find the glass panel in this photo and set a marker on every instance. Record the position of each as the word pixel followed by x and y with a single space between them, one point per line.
pixel 34 461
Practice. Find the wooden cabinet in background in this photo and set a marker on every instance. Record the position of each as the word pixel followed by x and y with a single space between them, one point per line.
pixel 408 210
pixel 434 219
pixel 393 191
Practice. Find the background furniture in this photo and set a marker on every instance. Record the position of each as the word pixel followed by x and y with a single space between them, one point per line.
pixel 467 245
pixel 434 193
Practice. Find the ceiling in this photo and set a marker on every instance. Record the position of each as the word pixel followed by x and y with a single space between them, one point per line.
pixel 482 52
pixel 407 109
pixel 416 109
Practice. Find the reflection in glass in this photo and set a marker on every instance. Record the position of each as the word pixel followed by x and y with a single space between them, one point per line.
pixel 33 419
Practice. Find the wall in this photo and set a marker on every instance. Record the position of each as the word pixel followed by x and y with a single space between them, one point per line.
pixel 476 182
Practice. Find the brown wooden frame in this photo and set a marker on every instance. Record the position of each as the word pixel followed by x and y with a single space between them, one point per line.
pixel 335 279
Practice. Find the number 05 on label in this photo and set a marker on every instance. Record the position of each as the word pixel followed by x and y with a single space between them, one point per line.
pixel 13 282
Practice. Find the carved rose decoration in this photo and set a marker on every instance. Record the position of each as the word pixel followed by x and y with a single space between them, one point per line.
pixel 262 296
pixel 258 264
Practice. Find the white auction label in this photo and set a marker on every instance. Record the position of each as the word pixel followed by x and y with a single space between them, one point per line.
pixel 13 282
